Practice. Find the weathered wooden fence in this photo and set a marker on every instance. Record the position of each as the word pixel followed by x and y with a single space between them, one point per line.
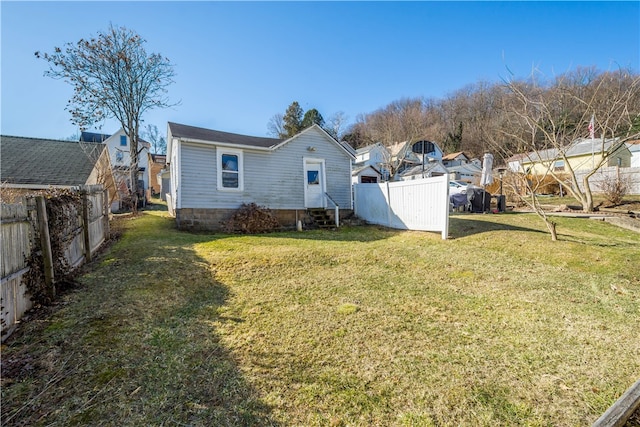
pixel 421 204
pixel 16 233
pixel 25 230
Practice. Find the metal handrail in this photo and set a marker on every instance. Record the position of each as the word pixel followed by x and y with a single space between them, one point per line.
pixel 337 209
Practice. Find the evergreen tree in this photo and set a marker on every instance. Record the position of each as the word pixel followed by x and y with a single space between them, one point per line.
pixel 312 117
pixel 293 119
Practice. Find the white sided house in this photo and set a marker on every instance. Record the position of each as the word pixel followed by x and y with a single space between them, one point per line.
pixel 375 155
pixel 213 173
pixel 119 147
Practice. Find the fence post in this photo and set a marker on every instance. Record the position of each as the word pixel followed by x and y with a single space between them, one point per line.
pixel 45 243
pixel 85 226
pixel 105 214
pixel 388 205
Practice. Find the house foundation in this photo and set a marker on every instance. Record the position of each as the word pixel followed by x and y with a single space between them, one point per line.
pixel 195 219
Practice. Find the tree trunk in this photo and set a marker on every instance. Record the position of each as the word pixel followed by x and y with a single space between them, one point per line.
pixel 133 167
pixel 551 226
pixel 588 205
pixel 133 179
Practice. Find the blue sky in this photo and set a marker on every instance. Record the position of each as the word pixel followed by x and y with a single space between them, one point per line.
pixel 239 63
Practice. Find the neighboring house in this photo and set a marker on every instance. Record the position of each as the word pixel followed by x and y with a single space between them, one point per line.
pixel 514 163
pixel 407 155
pixel 375 155
pixel 466 172
pixel 119 147
pixel 455 159
pixel 165 183
pixel 634 149
pixel 36 164
pixel 157 162
pixel 430 169
pixel 583 154
pixel 365 174
pixel 462 168
pixel 213 173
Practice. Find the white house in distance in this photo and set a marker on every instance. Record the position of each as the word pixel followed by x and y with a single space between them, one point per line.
pixel 371 161
pixel 455 159
pixel 461 168
pixel 419 158
pixel 634 149
pixel 365 174
pixel 119 147
pixel 213 173
pixel 415 152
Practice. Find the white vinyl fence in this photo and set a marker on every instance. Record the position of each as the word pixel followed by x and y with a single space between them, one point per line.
pixel 629 176
pixel 420 204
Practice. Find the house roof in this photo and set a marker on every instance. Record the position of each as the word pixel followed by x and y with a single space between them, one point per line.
pixel 468 168
pixel 453 156
pixel 369 147
pixel 579 147
pixel 358 169
pixel 93 137
pixel 159 158
pixel 428 167
pixel 102 137
pixel 395 148
pixel 215 136
pixel 517 157
pixel 634 145
pixel 38 161
pixel 348 147
pixel 192 132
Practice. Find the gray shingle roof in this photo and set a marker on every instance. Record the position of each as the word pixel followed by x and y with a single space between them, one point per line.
pixel 417 170
pixel 192 132
pixel 579 147
pixel 45 161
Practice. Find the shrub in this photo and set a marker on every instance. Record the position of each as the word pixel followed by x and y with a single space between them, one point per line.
pixel 251 219
pixel 614 189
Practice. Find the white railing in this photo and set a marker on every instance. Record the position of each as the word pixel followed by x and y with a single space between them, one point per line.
pixel 336 207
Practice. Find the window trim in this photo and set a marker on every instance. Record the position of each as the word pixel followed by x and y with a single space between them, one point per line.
pixel 239 153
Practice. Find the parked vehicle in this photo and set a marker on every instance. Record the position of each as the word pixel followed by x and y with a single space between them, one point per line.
pixel 458 187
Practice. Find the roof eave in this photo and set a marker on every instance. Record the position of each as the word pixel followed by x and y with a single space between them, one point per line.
pixel 38 186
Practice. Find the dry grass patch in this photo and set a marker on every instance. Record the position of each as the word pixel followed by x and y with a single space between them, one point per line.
pixel 363 326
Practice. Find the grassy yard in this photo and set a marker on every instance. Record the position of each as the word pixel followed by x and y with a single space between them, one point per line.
pixel 357 327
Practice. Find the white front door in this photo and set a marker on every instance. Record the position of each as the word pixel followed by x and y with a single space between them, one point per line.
pixel 314 184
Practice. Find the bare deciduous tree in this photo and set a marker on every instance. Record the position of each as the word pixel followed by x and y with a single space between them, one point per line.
pixel 275 127
pixel 547 121
pixel 112 76
pixel 337 123
pixel 157 141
